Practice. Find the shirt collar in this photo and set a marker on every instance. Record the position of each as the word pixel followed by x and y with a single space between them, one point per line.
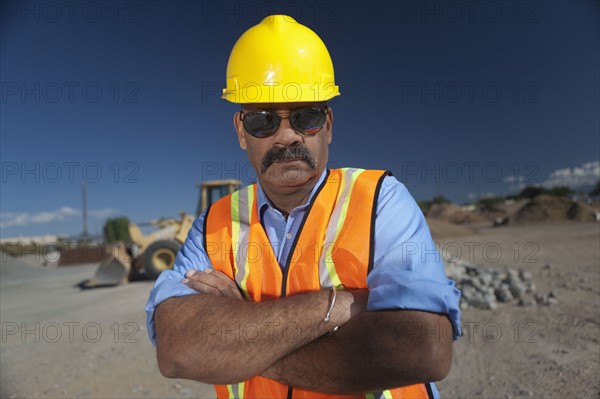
pixel 264 202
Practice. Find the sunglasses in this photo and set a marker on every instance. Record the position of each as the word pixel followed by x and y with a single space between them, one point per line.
pixel 306 121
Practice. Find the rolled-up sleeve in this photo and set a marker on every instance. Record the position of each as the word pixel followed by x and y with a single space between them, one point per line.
pixel 408 271
pixel 168 285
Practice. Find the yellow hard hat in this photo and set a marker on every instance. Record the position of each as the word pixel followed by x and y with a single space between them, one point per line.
pixel 279 61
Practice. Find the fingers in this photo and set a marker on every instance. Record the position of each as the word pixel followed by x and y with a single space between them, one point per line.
pixel 197 283
pixel 351 303
pixel 360 301
pixel 212 282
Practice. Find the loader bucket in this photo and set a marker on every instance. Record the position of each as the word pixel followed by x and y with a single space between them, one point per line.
pixel 113 270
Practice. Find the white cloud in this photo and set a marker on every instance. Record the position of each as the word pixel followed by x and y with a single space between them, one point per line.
pixel 10 219
pixel 102 213
pixel 473 196
pixel 578 176
pixel 516 183
pixel 513 179
pixel 584 175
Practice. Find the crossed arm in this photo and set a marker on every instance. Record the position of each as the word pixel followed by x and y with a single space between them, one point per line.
pixel 221 339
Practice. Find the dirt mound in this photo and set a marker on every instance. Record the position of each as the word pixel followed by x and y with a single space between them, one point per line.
pixel 454 214
pixel 500 211
pixel 441 229
pixel 547 208
pixel 493 213
pixel 582 212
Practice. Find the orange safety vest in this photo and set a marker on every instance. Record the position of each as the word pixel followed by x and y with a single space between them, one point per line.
pixel 335 250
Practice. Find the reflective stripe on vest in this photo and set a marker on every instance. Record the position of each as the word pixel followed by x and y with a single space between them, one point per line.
pixel 379 395
pixel 241 209
pixel 236 391
pixel 327 272
pixel 335 249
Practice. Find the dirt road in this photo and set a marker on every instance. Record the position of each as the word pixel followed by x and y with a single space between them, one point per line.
pixel 59 341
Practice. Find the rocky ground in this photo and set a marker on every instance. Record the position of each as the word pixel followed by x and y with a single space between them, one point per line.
pixel 530 319
pixel 548 349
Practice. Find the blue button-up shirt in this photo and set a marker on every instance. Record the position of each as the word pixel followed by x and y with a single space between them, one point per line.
pixel 408 271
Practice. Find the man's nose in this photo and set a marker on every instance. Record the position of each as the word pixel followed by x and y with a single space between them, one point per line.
pixel 286 135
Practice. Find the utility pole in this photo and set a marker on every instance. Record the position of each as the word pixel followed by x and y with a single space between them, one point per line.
pixel 84 209
pixel 438 189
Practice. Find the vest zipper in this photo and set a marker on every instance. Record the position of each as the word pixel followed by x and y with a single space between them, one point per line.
pixel 293 247
pixel 291 253
pixel 283 293
pixel 283 289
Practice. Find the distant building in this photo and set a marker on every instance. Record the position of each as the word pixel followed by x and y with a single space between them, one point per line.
pixel 40 240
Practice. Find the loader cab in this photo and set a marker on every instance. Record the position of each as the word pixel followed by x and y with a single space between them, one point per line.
pixel 212 191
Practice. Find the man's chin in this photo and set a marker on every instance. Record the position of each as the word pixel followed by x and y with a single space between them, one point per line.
pixel 292 174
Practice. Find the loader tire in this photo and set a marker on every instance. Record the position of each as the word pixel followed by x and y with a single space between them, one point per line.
pixel 159 256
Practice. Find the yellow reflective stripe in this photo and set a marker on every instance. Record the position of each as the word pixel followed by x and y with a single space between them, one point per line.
pixel 241 211
pixel 250 202
pixel 330 234
pixel 331 277
pixel 236 391
pixel 340 223
pixel 379 395
pixel 235 228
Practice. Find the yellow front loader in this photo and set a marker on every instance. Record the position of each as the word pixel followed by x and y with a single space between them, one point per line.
pixel 155 252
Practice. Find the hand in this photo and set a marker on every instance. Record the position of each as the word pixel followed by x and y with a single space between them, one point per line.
pixel 349 304
pixel 212 282
pixel 359 304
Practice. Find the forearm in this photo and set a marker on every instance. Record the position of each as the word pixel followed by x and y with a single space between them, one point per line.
pixel 373 352
pixel 223 340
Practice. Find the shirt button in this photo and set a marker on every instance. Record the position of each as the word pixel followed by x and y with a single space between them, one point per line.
pixel 289 236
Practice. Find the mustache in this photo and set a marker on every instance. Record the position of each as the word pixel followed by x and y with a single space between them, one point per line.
pixel 295 152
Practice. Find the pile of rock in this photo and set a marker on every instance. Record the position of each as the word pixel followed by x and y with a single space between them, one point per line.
pixel 454 214
pixel 547 208
pixel 483 287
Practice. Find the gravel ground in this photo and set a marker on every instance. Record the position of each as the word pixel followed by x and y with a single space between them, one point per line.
pixel 62 342
pixel 541 351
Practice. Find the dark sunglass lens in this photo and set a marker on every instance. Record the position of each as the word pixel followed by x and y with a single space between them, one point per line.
pixel 261 124
pixel 309 120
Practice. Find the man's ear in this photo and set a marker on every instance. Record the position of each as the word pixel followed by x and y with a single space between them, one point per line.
pixel 329 125
pixel 239 128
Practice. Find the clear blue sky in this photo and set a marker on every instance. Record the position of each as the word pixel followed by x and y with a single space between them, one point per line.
pixel 462 98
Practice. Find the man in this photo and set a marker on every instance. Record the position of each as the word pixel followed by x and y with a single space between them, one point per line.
pixel 312 282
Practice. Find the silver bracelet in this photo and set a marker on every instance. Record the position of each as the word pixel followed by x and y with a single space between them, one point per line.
pixel 332 296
